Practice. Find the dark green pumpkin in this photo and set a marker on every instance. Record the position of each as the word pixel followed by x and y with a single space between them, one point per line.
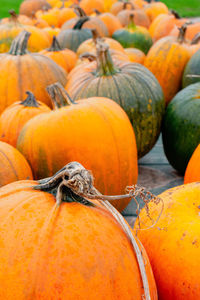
pixel 181 127
pixel 192 70
pixel 132 86
pixel 72 38
pixel 133 36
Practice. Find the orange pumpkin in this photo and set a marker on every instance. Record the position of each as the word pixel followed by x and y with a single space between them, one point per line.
pixel 192 172
pixel 135 55
pixel 75 131
pixel 172 244
pixel 66 14
pixel 40 23
pixel 192 30
pixel 15 116
pixel 89 6
pixel 140 18
pixel 13 165
pixel 122 5
pixel 21 70
pixel 154 9
pixel 39 39
pixel 22 19
pixel 65 58
pixel 30 7
pixel 51 16
pixel 51 32
pixel 166 60
pixel 112 23
pixel 77 241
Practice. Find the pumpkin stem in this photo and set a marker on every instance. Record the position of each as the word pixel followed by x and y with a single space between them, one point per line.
pixel 74 183
pixel 59 96
pixel 30 101
pixel 80 23
pixel 79 11
pixel 131 23
pixel 87 55
pixel 13 15
pixel 55 46
pixel 196 39
pixel 182 32
pixel 125 5
pixel 95 35
pixel 97 12
pixel 105 65
pixel 175 14
pixel 19 44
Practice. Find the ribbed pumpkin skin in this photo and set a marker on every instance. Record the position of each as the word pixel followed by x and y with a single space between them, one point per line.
pixel 38 40
pixel 173 243
pixel 166 60
pixel 21 71
pixel 192 172
pixel 72 39
pixel 13 165
pixel 136 38
pixel 29 7
pixel 134 88
pixel 181 127
pixel 140 18
pixel 135 55
pixel 47 246
pixel 96 132
pixel 192 68
pixel 15 117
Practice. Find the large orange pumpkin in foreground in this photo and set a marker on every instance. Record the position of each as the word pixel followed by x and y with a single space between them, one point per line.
pixel 173 243
pixel 13 165
pixel 72 249
pixel 22 71
pixel 192 172
pixel 94 131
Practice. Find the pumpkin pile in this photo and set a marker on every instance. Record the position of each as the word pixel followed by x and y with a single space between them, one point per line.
pixel 94 83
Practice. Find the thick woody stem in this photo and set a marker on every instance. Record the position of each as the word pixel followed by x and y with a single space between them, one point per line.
pixel 19 44
pixel 59 96
pixel 30 101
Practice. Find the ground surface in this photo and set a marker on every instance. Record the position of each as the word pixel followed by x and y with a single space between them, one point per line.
pixel 189 8
pixel 156 175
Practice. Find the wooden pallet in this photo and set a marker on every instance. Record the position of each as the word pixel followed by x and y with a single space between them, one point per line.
pixel 155 174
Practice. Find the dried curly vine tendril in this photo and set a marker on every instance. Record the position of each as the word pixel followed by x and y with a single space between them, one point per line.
pixel 79 181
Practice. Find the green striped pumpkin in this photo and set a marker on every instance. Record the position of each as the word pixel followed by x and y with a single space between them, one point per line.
pixel 181 127
pixel 131 85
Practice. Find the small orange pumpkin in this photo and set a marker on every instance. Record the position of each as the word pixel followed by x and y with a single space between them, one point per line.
pixel 192 172
pixel 13 165
pixel 30 7
pixel 15 116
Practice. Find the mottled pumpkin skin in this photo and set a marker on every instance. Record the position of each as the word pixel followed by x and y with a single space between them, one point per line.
pixel 13 165
pixel 181 127
pixel 173 243
pixel 134 88
pixel 192 172
pixel 137 37
pixel 39 39
pixel 71 39
pixel 96 132
pixel 43 247
pixel 192 68
pixel 166 60
pixel 30 72
pixel 15 117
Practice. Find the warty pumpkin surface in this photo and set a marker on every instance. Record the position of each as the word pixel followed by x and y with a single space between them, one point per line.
pixel 21 70
pixel 15 116
pixel 172 244
pixel 45 244
pixel 132 86
pixel 166 60
pixel 13 165
pixel 94 131
pixel 181 127
pixel 192 172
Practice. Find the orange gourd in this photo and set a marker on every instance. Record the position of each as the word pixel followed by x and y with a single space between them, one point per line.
pixel 13 165
pixel 192 172
pixel 172 244
pixel 15 117
pixel 65 58
pixel 75 131
pixel 21 70
pixel 50 236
